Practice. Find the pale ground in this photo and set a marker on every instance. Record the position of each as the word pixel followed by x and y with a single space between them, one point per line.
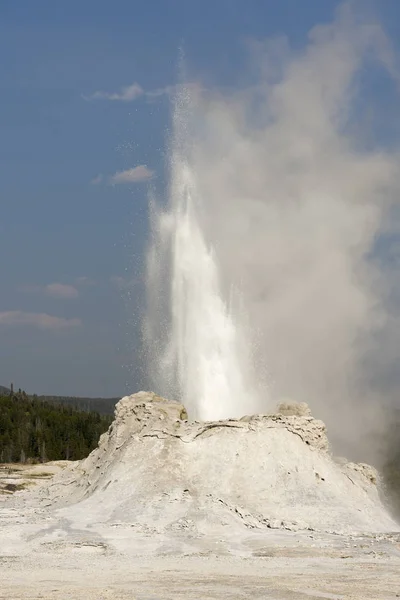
pixel 107 564
pixel 169 510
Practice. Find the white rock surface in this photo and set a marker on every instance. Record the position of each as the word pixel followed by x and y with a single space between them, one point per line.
pixel 156 469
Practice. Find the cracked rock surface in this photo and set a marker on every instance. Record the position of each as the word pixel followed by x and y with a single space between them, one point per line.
pixel 154 467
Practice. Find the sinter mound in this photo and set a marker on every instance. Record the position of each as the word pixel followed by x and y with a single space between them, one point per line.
pixel 158 470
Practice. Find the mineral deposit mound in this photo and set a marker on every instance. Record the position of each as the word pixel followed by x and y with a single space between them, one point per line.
pixel 158 470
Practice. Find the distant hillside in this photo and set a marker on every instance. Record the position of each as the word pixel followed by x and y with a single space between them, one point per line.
pixel 104 406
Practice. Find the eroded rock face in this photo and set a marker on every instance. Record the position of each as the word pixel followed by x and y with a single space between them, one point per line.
pixel 296 409
pixel 154 465
pixel 147 414
pixel 147 406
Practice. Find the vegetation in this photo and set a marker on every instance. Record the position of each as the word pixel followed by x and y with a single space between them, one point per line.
pixel 33 429
pixel 104 406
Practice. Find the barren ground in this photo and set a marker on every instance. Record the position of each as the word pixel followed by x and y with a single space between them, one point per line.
pixel 42 555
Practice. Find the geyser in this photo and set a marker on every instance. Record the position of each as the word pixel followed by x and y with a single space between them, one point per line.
pixel 262 278
pixel 202 357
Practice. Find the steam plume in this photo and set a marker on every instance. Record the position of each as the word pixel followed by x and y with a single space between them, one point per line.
pixel 290 201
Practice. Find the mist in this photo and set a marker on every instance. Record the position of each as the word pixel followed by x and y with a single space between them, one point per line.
pixel 294 194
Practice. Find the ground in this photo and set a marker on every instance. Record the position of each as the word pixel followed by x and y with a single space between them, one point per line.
pixel 42 557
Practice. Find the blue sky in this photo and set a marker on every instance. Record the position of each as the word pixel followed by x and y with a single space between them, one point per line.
pixel 82 107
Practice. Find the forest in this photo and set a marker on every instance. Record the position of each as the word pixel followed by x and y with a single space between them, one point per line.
pixel 35 430
pixel 104 406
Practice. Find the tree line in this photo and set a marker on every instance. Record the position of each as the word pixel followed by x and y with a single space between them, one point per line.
pixel 35 430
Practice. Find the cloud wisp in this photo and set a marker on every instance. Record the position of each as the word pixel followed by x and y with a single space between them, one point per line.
pixel 55 290
pixel 133 92
pixel 130 93
pixel 37 320
pixel 134 175
pixel 126 94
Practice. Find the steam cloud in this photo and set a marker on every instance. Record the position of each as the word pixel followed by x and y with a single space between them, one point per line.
pixel 293 203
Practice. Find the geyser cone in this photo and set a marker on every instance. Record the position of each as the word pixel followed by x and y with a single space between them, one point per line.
pixel 156 469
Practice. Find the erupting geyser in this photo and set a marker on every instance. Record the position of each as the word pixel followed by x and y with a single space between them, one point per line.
pixel 264 280
pixel 201 360
pixel 263 283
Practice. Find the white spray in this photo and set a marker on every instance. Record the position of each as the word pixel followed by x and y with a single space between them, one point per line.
pixel 201 357
pixel 278 191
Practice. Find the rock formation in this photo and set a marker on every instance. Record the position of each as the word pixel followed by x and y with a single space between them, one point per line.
pixel 156 469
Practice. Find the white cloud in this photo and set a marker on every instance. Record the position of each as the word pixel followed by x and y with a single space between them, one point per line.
pixel 126 94
pixel 134 175
pixel 61 290
pixel 39 320
pixel 168 90
pixel 134 91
